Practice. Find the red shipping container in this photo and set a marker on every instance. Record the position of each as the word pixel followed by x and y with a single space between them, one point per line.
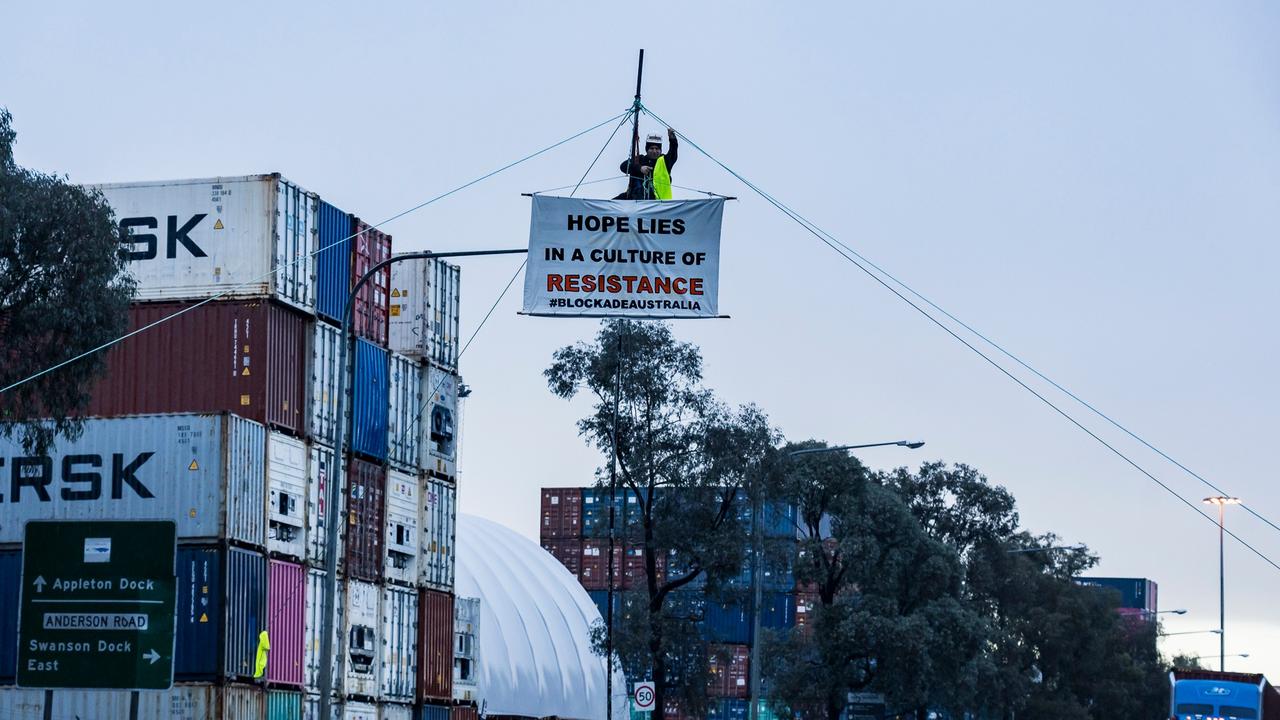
pixel 635 573
pixel 595 565
pixel 561 513
pixel 568 552
pixel 435 645
pixel 366 484
pixel 806 605
pixel 729 676
pixel 248 358
pixel 464 712
pixel 370 247
pixel 286 612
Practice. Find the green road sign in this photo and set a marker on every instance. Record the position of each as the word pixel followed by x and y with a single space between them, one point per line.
pixel 97 605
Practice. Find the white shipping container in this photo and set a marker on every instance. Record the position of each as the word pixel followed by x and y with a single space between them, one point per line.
pixel 424 319
pixel 286 495
pixel 402 528
pixel 359 711
pixel 311 708
pixel 322 388
pixel 399 644
pixel 250 237
pixel 406 411
pixel 466 648
pixel 440 424
pixel 204 472
pixel 313 627
pixel 318 475
pixel 439 526
pixel 360 647
pixel 395 712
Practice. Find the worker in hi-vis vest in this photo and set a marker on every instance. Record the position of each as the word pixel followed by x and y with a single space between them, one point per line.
pixel 649 175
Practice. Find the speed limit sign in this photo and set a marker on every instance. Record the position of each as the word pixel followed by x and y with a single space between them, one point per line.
pixel 644 697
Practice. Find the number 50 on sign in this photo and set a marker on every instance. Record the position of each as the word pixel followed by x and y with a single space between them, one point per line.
pixel 644 697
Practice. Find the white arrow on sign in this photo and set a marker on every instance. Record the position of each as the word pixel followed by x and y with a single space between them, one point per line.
pixel 39 583
pixel 153 656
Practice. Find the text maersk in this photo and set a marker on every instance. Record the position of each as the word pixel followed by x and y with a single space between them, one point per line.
pixel 82 477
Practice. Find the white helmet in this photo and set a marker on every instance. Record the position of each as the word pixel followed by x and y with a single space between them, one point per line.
pixel 653 139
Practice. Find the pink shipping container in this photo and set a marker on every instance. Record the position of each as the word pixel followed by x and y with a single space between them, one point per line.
pixel 286 611
pixel 595 565
pixel 372 304
pixel 435 646
pixel 729 676
pixel 568 552
pixel 246 358
pixel 366 484
pixel 561 513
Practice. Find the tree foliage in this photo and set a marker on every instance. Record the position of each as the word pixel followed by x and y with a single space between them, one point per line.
pixel 63 291
pixel 684 462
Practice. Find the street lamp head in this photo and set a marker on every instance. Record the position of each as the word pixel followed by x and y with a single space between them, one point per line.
pixel 913 444
pixel 1179 612
pixel 1221 500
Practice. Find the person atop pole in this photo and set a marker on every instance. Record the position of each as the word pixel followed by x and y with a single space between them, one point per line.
pixel 649 174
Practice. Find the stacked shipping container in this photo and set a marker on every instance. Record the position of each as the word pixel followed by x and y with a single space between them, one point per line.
pixel 574 526
pixel 220 414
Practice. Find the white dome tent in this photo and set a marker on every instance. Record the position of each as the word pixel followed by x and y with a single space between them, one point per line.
pixel 534 657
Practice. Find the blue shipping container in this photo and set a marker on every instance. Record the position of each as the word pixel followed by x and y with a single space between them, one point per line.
pixel 727 622
pixel 370 399
pixel 1136 593
pixel 333 263
pixel 425 711
pixel 727 709
pixel 595 512
pixel 284 705
pixel 10 577
pixel 221 609
pixel 779 610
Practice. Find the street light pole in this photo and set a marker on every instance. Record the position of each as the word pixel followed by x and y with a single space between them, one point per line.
pixel 333 502
pixel 757 552
pixel 1222 502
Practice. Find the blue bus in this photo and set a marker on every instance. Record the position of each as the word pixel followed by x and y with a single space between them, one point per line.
pixel 1208 695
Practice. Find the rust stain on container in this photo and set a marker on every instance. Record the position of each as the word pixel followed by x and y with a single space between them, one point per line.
pixel 242 357
pixel 435 646
pixel 366 485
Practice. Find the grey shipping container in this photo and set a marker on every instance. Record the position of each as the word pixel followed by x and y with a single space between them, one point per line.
pixel 322 385
pixel 197 701
pixel 318 477
pixel 204 472
pixel 406 408
pixel 438 526
pixel 221 609
pixel 424 311
pixel 399 639
pixel 245 237
pixel 313 624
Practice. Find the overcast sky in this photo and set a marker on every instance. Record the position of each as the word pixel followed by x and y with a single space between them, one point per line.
pixel 1093 184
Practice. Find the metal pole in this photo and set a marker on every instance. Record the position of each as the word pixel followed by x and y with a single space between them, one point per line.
pixel 635 117
pixel 336 472
pixel 613 499
pixel 757 591
pixel 1222 593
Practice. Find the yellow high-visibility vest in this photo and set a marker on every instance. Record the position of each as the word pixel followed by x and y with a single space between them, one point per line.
pixel 661 179
pixel 260 663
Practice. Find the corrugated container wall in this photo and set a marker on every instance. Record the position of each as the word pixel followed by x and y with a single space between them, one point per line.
pixel 247 237
pixel 439 526
pixel 729 673
pixel 431 711
pixel 778 610
pixel 247 358
pixel 402 540
pixel 322 383
pixel 395 712
pixel 204 472
pixel 595 565
pixel 311 708
pixel 464 712
pixel 440 427
pixel 283 704
pixel 366 483
pixel 313 626
pixel 371 246
pixel 425 297
pixel 369 401
pixel 333 263
pixel 318 476
pixel 406 411
pixel 727 621
pixel 286 496
pixel 595 512
pixel 435 646
pixel 561 513
pixel 466 648
pixel 568 552
pixel 220 611
pixel 361 649
pixel 286 610
pixel 359 711
pixel 10 577
pixel 399 639
pixel 181 702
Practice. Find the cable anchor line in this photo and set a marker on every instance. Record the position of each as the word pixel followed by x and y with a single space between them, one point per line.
pixel 857 260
